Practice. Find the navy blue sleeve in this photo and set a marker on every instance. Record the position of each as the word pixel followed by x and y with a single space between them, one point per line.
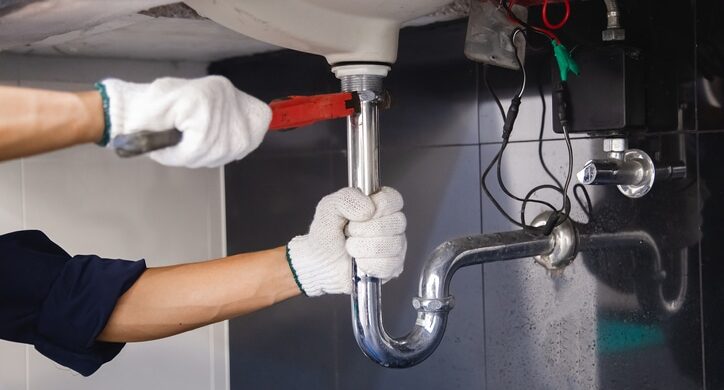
pixel 59 303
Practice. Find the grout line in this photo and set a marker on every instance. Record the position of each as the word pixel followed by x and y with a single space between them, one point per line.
pixel 701 272
pixel 699 201
pixel 227 356
pixel 269 154
pixel 224 253
pixel 23 219
pixel 27 367
pixel 212 352
pixel 23 214
pixel 335 331
pixel 209 222
pixel 222 185
pixel 480 204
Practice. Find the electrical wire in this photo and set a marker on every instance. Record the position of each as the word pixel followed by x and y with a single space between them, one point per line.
pixel 566 15
pixel 587 208
pixel 507 118
pixel 559 215
pixel 514 18
pixel 491 91
pixel 520 63
pixel 544 110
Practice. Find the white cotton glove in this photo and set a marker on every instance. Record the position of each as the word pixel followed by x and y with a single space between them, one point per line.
pixel 219 123
pixel 349 224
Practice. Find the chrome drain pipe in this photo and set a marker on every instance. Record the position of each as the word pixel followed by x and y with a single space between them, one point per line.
pixel 433 302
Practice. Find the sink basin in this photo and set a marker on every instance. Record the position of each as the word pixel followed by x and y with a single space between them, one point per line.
pixel 343 31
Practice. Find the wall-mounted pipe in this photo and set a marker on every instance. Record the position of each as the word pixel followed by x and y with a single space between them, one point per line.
pixel 614 29
pixel 642 240
pixel 613 16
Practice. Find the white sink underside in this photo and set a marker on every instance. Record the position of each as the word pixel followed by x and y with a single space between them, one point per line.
pixel 114 28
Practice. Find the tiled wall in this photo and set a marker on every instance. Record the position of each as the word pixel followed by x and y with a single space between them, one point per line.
pixel 600 324
pixel 89 201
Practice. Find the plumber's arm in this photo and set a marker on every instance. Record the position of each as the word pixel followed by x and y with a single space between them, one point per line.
pixel 219 123
pixel 171 300
pixel 36 121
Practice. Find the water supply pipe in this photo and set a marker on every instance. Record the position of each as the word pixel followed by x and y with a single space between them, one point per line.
pixel 614 29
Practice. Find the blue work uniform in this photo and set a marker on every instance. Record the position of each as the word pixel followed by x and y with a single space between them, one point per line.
pixel 60 303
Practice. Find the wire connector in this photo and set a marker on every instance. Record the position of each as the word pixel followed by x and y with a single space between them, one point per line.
pixel 562 96
pixel 565 61
pixel 511 117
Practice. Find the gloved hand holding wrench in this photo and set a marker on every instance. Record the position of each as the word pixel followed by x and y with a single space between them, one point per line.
pixel 204 122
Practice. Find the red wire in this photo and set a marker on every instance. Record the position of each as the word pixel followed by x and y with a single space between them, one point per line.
pixel 513 19
pixel 547 23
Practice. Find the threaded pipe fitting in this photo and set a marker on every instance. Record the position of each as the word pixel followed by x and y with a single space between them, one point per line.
pixel 362 82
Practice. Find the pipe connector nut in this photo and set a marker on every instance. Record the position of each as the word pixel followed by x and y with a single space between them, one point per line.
pixel 566 244
pixel 613 35
pixel 433 305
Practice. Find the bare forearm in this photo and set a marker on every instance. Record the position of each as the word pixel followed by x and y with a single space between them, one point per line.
pixel 171 300
pixel 34 121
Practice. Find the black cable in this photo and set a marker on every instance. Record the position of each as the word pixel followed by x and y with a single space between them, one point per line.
pixel 563 213
pixel 492 92
pixel 563 190
pixel 544 109
pixel 588 210
pixel 563 106
pixel 508 126
pixel 507 191
pixel 564 210
pixel 509 120
pixel 492 198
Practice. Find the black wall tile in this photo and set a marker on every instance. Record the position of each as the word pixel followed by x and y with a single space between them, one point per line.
pixel 712 213
pixel 269 200
pixel 599 324
pixel 433 90
pixel 710 64
pixel 278 74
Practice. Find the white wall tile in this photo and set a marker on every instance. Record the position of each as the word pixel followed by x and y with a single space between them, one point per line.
pixel 131 209
pixel 90 70
pixel 90 201
pixel 12 355
pixel 55 85
pixel 11 197
pixel 179 362
pixel 12 366
pixel 122 209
